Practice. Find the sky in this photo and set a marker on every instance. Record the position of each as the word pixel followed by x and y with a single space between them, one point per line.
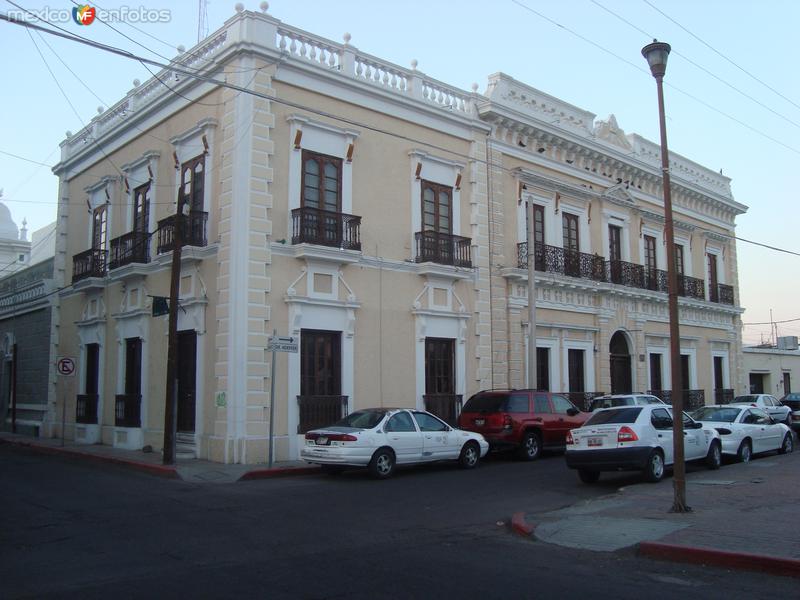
pixel 732 103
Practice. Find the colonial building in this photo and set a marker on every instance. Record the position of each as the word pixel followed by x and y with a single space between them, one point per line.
pixel 771 369
pixel 377 215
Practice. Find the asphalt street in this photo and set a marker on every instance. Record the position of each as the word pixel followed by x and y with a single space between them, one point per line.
pixel 70 529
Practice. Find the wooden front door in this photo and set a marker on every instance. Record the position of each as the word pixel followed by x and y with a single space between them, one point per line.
pixel 620 365
pixel 186 372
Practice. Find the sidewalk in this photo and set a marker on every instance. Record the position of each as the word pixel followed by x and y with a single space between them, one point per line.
pixel 744 516
pixel 193 470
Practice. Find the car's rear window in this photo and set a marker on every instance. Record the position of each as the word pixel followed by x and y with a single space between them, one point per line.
pixel 713 413
pixel 497 402
pixel 792 403
pixel 610 402
pixel 628 414
pixel 748 398
pixel 362 419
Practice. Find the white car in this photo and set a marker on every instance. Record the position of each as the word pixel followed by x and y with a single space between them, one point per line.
pixel 745 430
pixel 623 400
pixel 769 404
pixel 637 438
pixel 381 438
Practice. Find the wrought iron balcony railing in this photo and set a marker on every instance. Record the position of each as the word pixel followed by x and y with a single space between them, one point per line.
pixel 133 247
pixel 127 410
pixel 326 228
pixel 89 263
pixel 320 411
pixel 194 231
pixel 720 293
pixel 445 406
pixel 86 409
pixel 692 399
pixel 552 259
pixel 443 248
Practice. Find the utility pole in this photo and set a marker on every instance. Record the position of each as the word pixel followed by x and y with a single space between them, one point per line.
pixel 171 394
pixel 531 296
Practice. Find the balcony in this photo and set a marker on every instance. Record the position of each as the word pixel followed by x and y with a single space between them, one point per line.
pixel 127 410
pixel 133 247
pixel 194 231
pixel 443 249
pixel 692 399
pixel 720 293
pixel 326 228
pixel 552 259
pixel 320 411
pixel 445 406
pixel 89 263
pixel 86 409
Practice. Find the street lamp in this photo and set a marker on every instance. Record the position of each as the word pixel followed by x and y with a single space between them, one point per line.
pixel 656 55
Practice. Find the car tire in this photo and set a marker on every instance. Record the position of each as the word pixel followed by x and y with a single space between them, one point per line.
pixel 714 456
pixel 382 464
pixel 745 452
pixel 531 446
pixel 470 456
pixel 654 469
pixel 787 446
pixel 587 476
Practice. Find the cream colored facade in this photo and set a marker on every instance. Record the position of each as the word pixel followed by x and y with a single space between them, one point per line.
pixel 408 310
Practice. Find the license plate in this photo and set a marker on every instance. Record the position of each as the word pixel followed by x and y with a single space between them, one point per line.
pixel 321 441
pixel 480 421
pixel 594 441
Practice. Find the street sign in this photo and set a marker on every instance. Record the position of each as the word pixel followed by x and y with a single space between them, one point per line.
pixel 65 365
pixel 282 343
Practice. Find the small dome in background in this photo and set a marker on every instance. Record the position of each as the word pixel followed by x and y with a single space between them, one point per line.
pixel 8 229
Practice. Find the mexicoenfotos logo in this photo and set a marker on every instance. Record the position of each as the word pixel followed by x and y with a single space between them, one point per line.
pixel 84 15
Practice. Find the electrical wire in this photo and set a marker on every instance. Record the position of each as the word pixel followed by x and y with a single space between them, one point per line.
pixel 642 70
pixel 702 68
pixel 710 47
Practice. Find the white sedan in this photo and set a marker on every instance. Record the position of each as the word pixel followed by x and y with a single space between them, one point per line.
pixel 769 404
pixel 381 438
pixel 746 430
pixel 637 438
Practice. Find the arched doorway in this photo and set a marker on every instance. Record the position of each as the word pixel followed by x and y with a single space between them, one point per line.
pixel 620 364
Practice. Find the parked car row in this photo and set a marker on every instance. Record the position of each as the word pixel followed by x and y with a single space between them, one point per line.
pixel 623 432
pixel 640 438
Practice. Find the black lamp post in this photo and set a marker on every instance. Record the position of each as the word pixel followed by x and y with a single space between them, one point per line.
pixel 656 55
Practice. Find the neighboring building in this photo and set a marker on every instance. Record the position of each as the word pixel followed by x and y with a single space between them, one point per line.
pixel 772 369
pixel 15 249
pixel 354 208
pixel 26 298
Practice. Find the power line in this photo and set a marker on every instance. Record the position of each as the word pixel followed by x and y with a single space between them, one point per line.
pixel 30 160
pixel 709 46
pixel 642 70
pixel 702 68
pixel 772 322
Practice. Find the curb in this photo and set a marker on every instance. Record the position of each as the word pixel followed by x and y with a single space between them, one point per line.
pixel 520 526
pixel 788 567
pixel 278 472
pixel 169 472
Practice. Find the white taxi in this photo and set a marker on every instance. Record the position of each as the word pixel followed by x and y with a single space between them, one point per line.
pixel 382 438
pixel 637 438
pixel 745 430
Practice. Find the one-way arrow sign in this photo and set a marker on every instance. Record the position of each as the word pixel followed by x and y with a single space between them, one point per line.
pixel 282 343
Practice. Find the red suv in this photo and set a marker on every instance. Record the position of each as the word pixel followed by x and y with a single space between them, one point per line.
pixel 527 420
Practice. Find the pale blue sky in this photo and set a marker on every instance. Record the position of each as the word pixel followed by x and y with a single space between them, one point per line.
pixel 464 42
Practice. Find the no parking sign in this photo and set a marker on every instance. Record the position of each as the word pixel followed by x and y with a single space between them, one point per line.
pixel 65 365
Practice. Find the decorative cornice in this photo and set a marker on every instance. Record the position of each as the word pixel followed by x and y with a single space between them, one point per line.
pixel 199 129
pixel 549 184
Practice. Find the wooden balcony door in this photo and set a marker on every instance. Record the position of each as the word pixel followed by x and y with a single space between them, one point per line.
pixel 572 264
